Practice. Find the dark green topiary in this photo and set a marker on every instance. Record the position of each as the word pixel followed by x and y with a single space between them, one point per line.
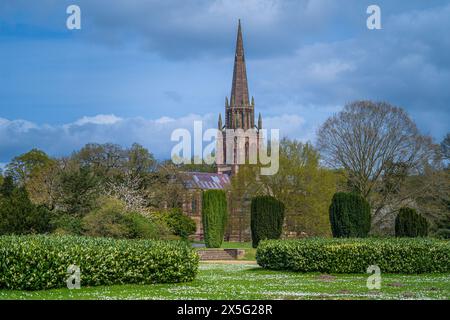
pixel 349 215
pixel 267 215
pixel 409 223
pixel 214 217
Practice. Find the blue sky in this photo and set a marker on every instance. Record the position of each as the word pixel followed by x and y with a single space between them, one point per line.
pixel 139 69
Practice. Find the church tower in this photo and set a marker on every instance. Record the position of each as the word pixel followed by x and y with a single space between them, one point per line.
pixel 239 113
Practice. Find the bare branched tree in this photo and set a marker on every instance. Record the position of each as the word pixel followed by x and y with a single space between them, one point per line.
pixel 377 144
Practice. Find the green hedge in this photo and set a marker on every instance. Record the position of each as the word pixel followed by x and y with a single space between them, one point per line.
pixel 267 215
pixel 41 262
pixel 349 216
pixel 214 217
pixel 392 255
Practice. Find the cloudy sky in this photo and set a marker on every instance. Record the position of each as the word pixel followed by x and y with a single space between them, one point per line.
pixel 139 69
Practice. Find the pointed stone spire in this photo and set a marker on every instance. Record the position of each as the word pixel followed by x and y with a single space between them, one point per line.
pixel 253 101
pixel 226 102
pixel 219 124
pixel 239 88
pixel 259 121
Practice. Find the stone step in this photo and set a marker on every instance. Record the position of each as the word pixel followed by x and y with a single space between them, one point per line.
pixel 219 254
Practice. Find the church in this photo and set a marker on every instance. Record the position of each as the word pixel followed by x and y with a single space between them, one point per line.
pixel 239 117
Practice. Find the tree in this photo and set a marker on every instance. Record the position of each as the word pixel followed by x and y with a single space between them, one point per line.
pixel 18 215
pixel 445 147
pixel 104 160
pixel 130 189
pixel 78 190
pixel 378 146
pixel 245 185
pixel 305 188
pixel 267 216
pixel 7 187
pixel 139 160
pixel 42 185
pixel 443 226
pixel 409 223
pixel 349 216
pixel 23 166
pixel 214 217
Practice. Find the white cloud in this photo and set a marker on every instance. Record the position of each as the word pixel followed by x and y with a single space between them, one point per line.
pixel 18 136
pixel 98 119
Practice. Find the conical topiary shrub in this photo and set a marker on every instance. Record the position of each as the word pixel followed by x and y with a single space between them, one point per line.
pixel 267 215
pixel 409 223
pixel 349 215
pixel 214 217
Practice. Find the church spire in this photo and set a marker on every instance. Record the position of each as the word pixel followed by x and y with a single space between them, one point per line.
pixel 239 88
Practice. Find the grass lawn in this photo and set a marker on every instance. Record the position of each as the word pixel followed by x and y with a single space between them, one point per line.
pixel 248 281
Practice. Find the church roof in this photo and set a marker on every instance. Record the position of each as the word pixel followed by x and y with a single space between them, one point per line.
pixel 239 88
pixel 205 180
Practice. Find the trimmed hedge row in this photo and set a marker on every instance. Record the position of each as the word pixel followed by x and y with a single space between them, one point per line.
pixel 41 262
pixel 393 255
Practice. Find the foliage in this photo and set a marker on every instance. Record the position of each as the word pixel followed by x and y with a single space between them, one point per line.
pixel 267 216
pixel 23 166
pixel 43 185
pixel 18 215
pixel 66 224
pixel 443 227
pixel 379 146
pixel 382 133
pixel 445 147
pixel 107 221
pixel 214 217
pixel 349 215
pixel 180 224
pixel 392 255
pixel 79 189
pixel 244 186
pixel 7 187
pixel 111 219
pixel 409 223
pixel 145 227
pixel 304 187
pixel 41 262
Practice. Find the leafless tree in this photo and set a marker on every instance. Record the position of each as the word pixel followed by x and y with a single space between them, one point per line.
pixel 378 145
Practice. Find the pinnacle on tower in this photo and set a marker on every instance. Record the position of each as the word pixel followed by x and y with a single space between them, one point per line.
pixel 239 88
pixel 259 121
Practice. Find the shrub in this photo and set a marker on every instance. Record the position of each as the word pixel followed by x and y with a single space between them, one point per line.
pixel 392 255
pixel 214 217
pixel 112 220
pixel 267 215
pixel 180 224
pixel 41 262
pixel 349 215
pixel 18 215
pixel 409 223
pixel 66 224
pixel 108 220
pixel 141 227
